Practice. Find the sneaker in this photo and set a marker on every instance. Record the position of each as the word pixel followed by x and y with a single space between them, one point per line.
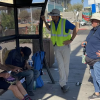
pixel 65 88
pixel 27 98
pixel 93 97
pixel 30 93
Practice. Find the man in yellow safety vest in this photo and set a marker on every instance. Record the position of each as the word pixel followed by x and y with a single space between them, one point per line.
pixel 61 39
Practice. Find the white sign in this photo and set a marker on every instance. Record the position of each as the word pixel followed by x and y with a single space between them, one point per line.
pixel 93 2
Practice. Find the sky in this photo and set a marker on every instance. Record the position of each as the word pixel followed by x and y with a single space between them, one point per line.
pixel 72 2
pixel 79 1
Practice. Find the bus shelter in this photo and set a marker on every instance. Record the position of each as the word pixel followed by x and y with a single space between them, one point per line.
pixel 12 29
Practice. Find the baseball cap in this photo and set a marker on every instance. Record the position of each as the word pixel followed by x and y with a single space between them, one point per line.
pixel 26 51
pixel 54 12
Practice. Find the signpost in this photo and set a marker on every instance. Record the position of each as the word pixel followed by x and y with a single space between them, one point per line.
pixel 93 8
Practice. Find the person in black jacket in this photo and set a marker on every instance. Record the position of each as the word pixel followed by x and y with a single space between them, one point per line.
pixel 18 57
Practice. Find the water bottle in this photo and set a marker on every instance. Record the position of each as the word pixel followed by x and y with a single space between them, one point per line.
pixel 30 62
pixel 34 85
pixel 84 48
pixel 83 59
pixel 84 55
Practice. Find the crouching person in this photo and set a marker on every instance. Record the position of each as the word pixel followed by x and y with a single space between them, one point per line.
pixel 17 89
pixel 18 57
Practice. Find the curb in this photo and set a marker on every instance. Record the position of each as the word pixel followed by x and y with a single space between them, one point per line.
pixel 82 29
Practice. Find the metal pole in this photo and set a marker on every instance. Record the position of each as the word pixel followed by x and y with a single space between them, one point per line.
pixel 54 4
pixel 47 12
pixel 16 25
pixel 31 15
pixel 99 6
pixel 41 41
pixel 31 18
pixel 94 2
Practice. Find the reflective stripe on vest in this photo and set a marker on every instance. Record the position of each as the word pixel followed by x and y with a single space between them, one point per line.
pixel 59 35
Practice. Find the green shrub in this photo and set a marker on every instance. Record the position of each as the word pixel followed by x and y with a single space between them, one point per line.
pixel 32 28
pixel 45 34
pixel 7 20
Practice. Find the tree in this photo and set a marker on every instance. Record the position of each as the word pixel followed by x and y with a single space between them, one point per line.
pixel 66 2
pixel 69 7
pixel 82 2
pixel 24 15
pixel 7 20
pixel 36 14
pixel 62 4
pixel 78 7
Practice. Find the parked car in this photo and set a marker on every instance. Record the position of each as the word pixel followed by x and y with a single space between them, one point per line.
pixel 88 23
pixel 82 23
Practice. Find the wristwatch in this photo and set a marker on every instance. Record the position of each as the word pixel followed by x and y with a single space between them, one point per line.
pixel 71 39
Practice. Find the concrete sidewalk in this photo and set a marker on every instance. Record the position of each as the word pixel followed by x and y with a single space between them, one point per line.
pixel 86 27
pixel 78 73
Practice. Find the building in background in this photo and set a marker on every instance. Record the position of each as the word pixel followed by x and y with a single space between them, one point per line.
pixel 53 5
pixel 95 4
pixel 62 2
pixel 57 1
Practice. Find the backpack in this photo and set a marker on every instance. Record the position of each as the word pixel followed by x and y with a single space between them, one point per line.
pixel 37 59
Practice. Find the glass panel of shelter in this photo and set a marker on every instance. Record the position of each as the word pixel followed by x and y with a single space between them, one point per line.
pixel 7 24
pixel 11 1
pixel 38 1
pixel 28 20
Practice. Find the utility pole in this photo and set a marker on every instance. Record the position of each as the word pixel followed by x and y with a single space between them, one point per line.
pixel 46 11
pixel 98 7
pixel 94 2
pixel 54 4
pixel 63 5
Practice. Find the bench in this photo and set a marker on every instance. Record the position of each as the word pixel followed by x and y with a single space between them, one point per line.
pixel 3 54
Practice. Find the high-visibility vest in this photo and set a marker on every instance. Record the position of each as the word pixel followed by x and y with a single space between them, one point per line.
pixel 59 36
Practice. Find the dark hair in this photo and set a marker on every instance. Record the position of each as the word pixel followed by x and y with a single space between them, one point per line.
pixel 26 51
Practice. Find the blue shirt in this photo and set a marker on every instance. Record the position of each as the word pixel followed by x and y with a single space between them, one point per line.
pixel 93 43
pixel 67 27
